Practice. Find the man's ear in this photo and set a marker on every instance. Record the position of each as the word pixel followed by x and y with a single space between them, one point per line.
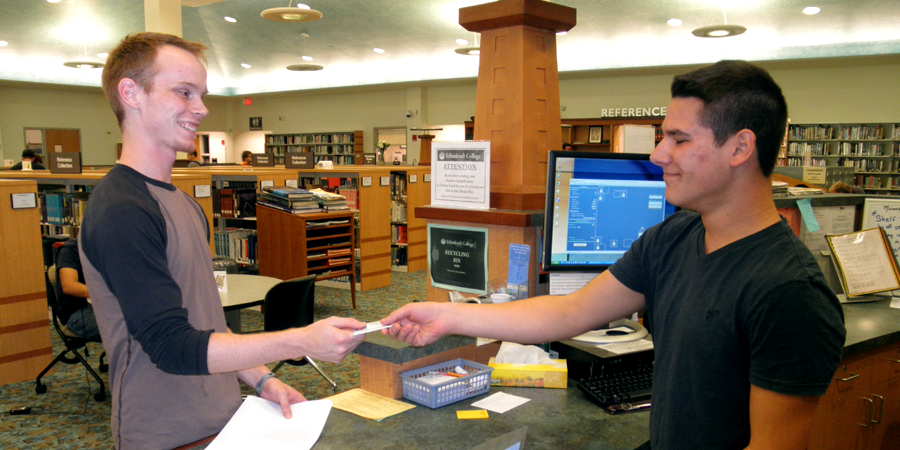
pixel 744 147
pixel 128 92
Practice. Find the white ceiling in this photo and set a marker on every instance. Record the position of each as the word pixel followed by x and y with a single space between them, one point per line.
pixel 419 38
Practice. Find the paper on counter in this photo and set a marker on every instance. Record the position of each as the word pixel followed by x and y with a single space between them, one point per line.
pixel 368 405
pixel 501 402
pixel 512 353
pixel 260 423
pixel 621 348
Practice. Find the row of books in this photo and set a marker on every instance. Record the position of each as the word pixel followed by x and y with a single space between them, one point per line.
pixel 878 182
pixel 319 149
pixel 327 138
pixel 816 132
pixel 234 203
pixel 64 208
pixel 398 234
pixel 862 132
pixel 398 184
pixel 240 245
pixel 343 160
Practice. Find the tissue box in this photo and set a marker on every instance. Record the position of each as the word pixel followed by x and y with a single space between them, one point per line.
pixel 529 375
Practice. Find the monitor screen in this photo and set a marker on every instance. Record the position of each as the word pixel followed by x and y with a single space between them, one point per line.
pixel 597 205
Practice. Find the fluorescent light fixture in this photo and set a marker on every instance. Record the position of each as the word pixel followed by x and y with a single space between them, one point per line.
pixel 811 10
pixel 674 22
pixel 246 66
pixel 230 19
pixel 378 50
pixel 304 67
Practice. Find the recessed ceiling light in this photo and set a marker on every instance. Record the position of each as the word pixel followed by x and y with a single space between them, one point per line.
pixel 462 42
pixel 3 43
pixel 719 31
pixel 53 1
pixel 306 58
pixel 230 19
pixel 561 33
pixel 674 22
pixel 245 65
pixel 378 50
pixel 299 13
pixel 810 10
pixel 102 55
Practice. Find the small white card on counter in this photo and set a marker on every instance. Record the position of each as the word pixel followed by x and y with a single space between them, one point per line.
pixel 221 280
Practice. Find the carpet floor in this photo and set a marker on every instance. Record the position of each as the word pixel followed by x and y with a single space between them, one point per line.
pixel 68 417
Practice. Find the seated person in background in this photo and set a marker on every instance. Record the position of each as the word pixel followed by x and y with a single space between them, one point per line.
pixel 568 146
pixel 840 188
pixel 28 156
pixel 194 160
pixel 247 158
pixel 73 309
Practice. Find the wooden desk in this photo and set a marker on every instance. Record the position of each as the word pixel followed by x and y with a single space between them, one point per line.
pixel 244 291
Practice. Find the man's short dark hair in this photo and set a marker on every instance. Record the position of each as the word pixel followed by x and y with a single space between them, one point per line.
pixel 245 154
pixel 738 95
pixel 28 153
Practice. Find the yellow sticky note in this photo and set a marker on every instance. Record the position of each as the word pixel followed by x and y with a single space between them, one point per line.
pixel 477 414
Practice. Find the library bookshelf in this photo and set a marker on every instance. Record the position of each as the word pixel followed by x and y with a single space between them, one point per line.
pixel 872 150
pixel 340 147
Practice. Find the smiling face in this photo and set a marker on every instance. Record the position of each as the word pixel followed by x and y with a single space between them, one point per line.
pixel 696 171
pixel 172 109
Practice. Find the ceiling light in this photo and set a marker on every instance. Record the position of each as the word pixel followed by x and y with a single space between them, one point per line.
pixel 246 66
pixel 561 33
pixel 674 22
pixel 306 58
pixel 719 31
pixel 462 42
pixel 299 13
pixel 102 55
pixel 85 64
pixel 304 67
pixel 378 50
pixel 472 50
pixel 3 43
pixel 230 19
pixel 810 10
pixel 53 1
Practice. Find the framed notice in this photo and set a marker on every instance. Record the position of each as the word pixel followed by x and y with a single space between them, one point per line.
pixel 461 173
pixel 864 262
pixel 458 258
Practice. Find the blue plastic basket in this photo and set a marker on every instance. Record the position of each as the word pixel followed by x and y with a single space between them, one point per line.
pixel 477 382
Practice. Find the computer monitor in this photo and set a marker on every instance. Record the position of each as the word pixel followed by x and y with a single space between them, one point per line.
pixel 597 205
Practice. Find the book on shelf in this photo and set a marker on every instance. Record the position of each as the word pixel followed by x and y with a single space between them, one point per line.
pixel 338 251
pixel 338 261
pixel 303 210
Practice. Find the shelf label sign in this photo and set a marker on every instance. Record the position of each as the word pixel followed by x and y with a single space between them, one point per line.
pixel 655 111
pixel 814 175
pixel 462 174
pixel 263 160
pixel 299 160
pixel 65 162
pixel 458 258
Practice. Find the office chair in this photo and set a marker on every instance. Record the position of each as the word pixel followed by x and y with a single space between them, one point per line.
pixel 290 304
pixel 73 343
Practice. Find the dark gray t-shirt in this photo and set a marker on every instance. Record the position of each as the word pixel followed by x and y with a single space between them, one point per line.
pixel 757 311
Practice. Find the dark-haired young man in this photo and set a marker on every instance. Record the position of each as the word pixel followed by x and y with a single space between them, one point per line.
pixel 28 156
pixel 747 333
pixel 174 367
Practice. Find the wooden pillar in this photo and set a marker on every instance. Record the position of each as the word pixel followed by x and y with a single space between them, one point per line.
pixel 425 149
pixel 517 98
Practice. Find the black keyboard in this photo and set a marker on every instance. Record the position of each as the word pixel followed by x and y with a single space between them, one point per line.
pixel 621 390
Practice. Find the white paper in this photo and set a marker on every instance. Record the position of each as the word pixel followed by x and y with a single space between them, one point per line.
pixel 621 348
pixel 567 283
pixel 501 402
pixel 259 423
pixel 512 353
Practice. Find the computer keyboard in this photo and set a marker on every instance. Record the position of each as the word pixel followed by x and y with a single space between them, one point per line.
pixel 623 390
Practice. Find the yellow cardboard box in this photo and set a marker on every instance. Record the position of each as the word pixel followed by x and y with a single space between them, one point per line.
pixel 530 375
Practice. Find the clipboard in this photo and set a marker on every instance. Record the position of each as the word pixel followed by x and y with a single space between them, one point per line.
pixel 864 263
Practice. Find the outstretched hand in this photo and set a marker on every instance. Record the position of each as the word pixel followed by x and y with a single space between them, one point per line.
pixel 417 324
pixel 332 339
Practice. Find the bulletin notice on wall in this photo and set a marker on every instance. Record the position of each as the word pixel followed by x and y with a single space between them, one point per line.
pixel 461 174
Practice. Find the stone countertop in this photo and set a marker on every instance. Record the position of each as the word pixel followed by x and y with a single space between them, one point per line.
pixel 386 348
pixel 869 326
pixel 556 419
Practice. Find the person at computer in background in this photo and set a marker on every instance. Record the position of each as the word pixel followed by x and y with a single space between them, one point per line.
pixel 747 333
pixel 247 158
pixel 28 155
pixel 194 160
pixel 73 308
pixel 174 367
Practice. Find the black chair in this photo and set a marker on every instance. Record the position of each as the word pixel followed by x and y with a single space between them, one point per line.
pixel 290 304
pixel 72 343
